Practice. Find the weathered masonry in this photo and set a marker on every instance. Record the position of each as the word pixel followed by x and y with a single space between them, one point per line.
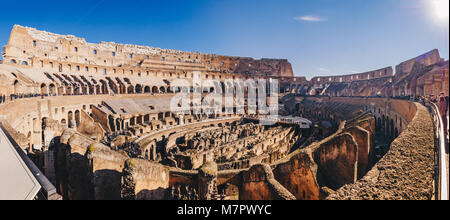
pixel 93 121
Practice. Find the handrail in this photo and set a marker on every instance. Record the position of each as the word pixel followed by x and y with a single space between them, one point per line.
pixel 443 171
pixel 47 190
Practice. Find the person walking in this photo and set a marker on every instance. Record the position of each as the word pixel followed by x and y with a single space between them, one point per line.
pixel 443 108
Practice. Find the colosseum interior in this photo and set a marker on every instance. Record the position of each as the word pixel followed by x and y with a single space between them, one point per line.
pixel 96 120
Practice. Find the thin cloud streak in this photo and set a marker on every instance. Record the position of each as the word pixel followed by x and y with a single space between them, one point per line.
pixel 310 18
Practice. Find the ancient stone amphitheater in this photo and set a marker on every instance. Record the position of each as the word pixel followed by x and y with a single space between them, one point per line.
pixel 94 121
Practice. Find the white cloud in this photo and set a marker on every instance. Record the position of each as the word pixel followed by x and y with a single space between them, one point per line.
pixel 310 18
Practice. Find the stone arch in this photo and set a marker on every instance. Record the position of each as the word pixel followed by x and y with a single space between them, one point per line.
pixel 130 89
pixel 132 121
pixel 104 87
pixel 69 90
pixel 147 89
pixel 76 90
pixel 113 85
pixel 13 61
pixel 64 122
pixel 70 119
pixel 138 89
pixel 155 90
pixel 122 88
pixel 52 90
pixel 84 90
pixel 146 118
pixel 77 117
pixel 91 90
pixel 44 89
pixel 162 89
pixel 16 87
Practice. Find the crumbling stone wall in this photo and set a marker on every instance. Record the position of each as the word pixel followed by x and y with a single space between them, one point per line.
pixel 86 169
pixel 298 175
pixel 90 128
pixel 105 171
pixel 144 180
pixel 406 171
pixel 337 161
pixel 32 46
pixel 311 173
pixel 259 183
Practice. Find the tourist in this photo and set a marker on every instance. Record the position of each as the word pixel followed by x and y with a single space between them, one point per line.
pixel 443 108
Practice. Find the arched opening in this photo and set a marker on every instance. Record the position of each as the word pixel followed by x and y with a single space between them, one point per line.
pixel 146 118
pixel 16 87
pixel 70 119
pixel 118 125
pixel 122 88
pixel 104 87
pixel 147 89
pixel 130 90
pixel 13 61
pixel 111 123
pixel 77 117
pixel 155 90
pixel 61 90
pixel 138 89
pixel 52 89
pixel 162 89
pixel 76 90
pixel 84 90
pixel 91 90
pixel 64 122
pixel 113 86
pixel 44 90
pixel 69 90
pixel 132 121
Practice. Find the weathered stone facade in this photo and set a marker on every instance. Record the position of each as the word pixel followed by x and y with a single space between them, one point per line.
pixel 96 119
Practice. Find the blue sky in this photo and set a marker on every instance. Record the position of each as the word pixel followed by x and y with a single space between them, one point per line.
pixel 319 37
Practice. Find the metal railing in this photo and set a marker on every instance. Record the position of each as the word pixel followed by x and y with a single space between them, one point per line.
pixel 442 169
pixel 47 190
